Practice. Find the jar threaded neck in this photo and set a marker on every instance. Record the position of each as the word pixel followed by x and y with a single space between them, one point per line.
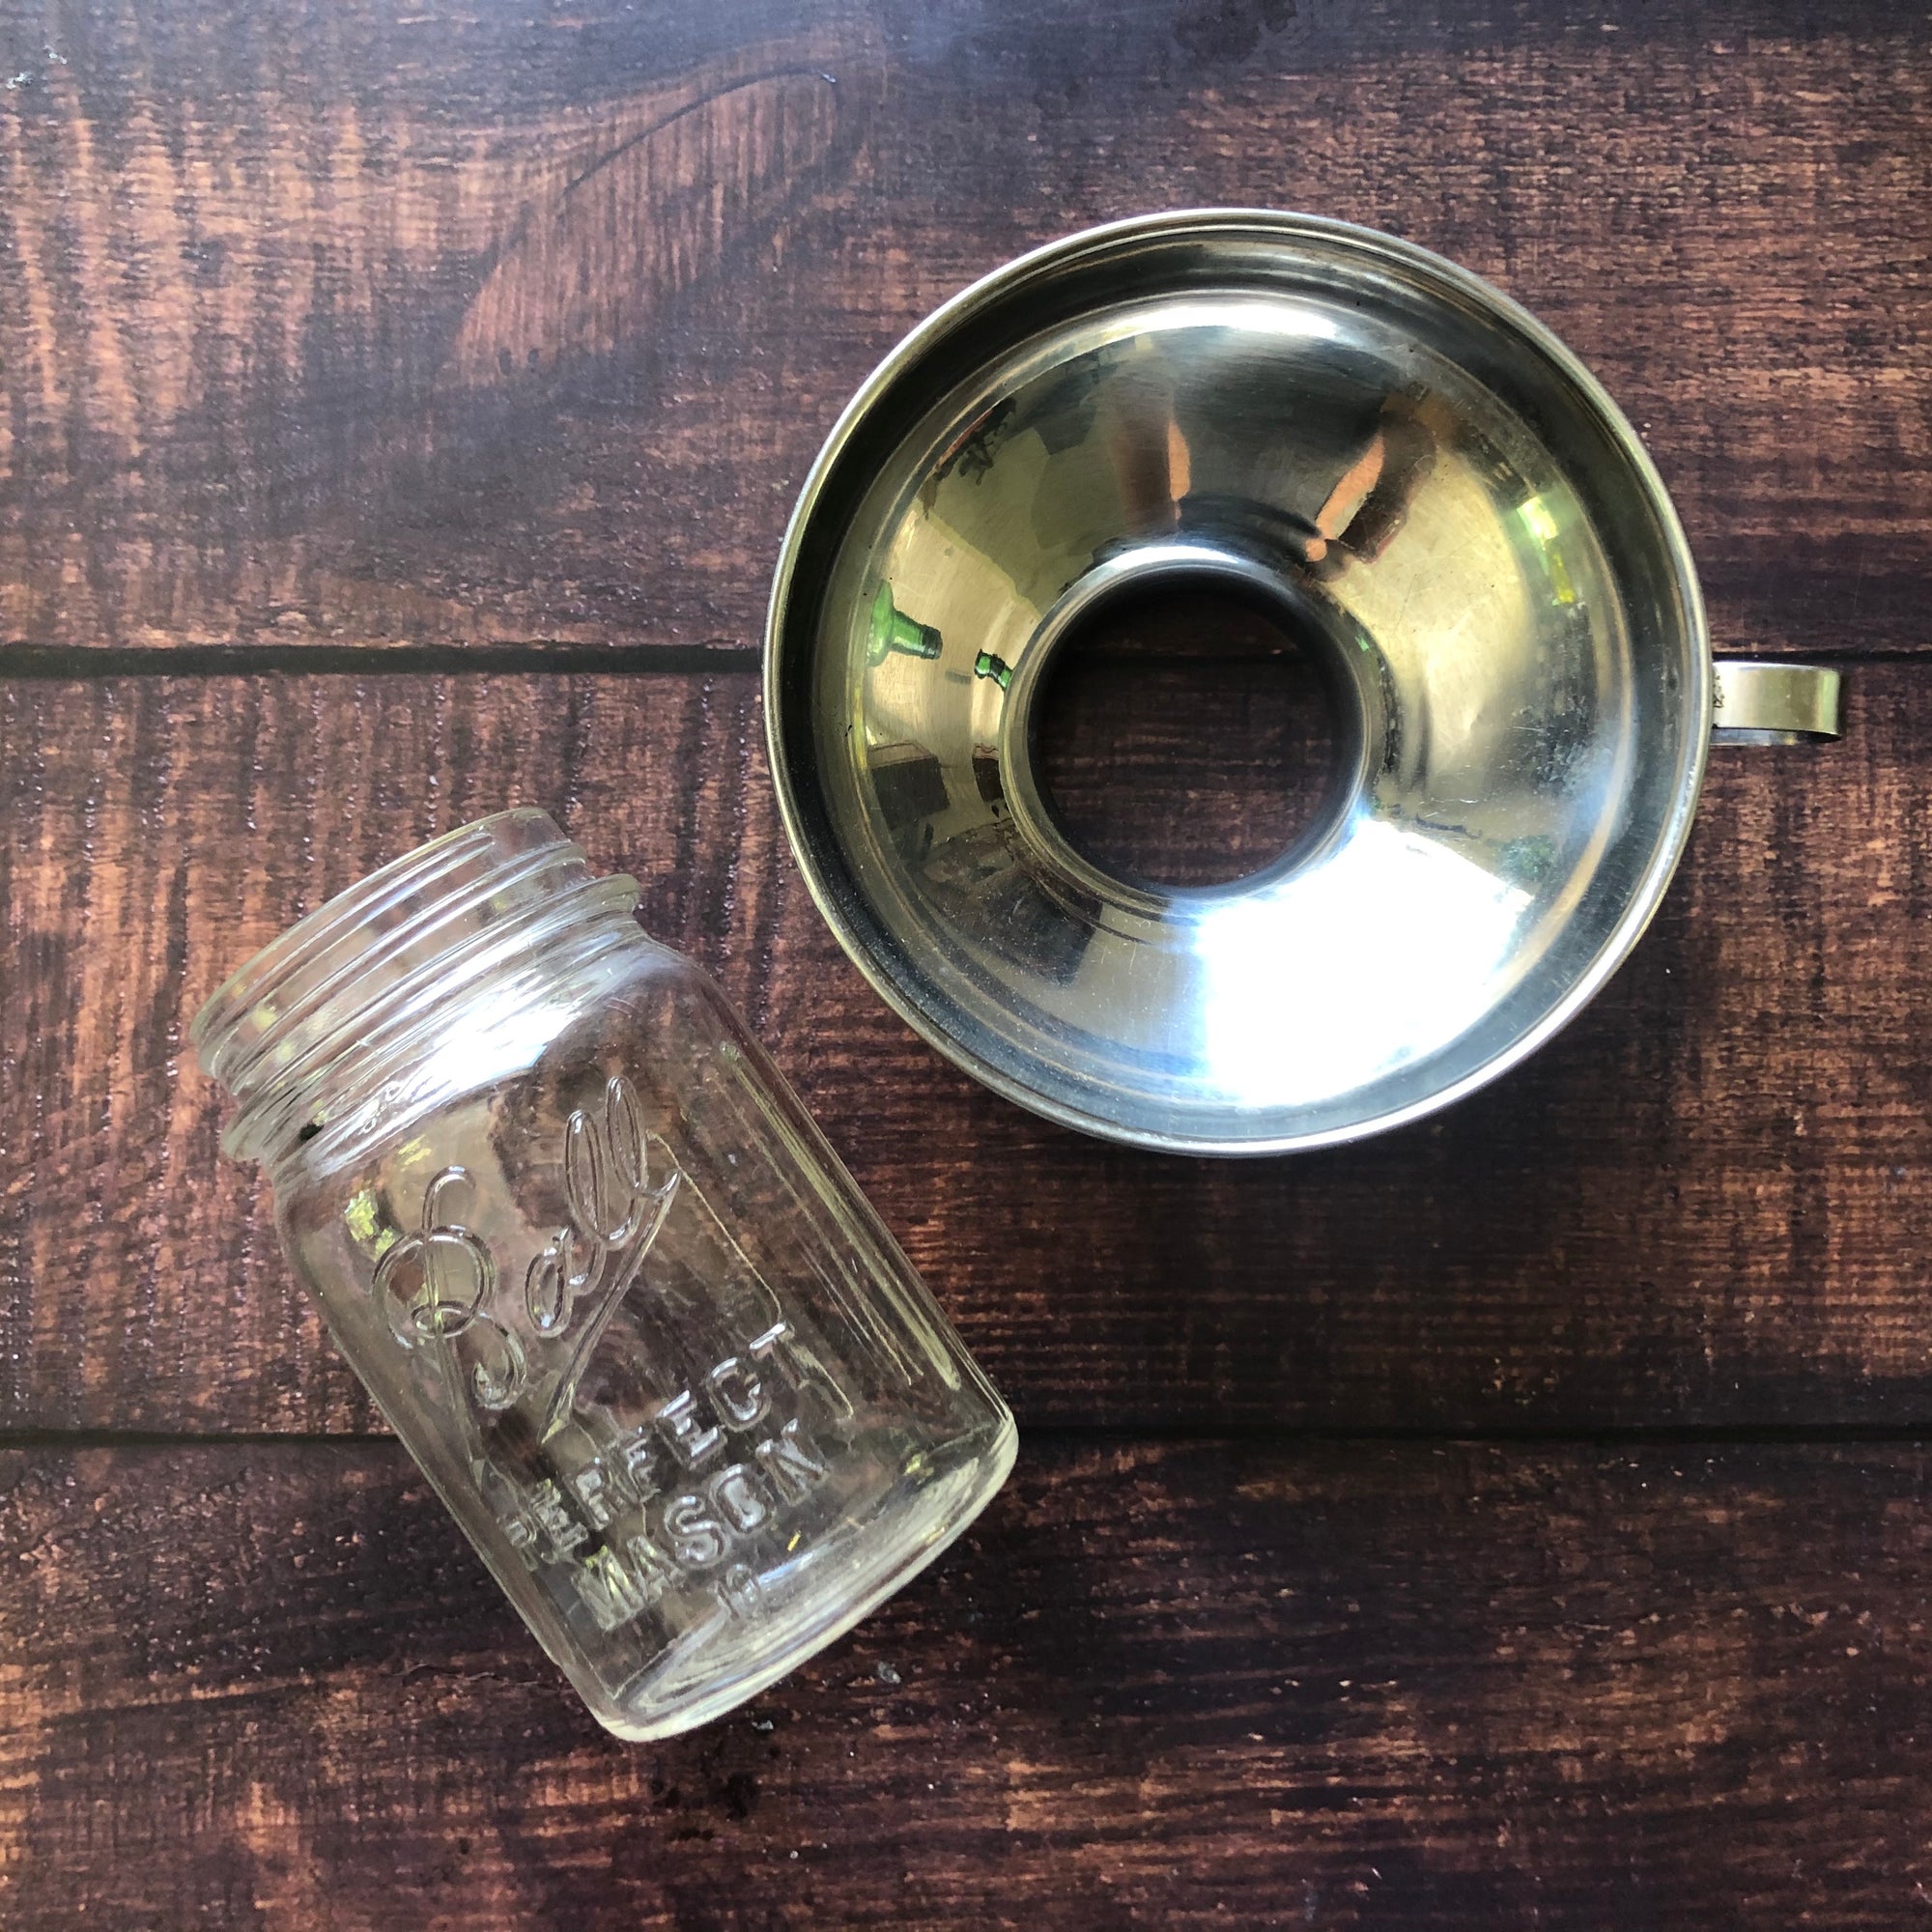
pixel 351 984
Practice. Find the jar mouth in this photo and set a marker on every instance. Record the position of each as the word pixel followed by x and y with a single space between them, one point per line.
pixel 331 981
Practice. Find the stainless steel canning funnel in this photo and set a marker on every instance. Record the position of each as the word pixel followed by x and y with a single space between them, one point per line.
pixel 1430 494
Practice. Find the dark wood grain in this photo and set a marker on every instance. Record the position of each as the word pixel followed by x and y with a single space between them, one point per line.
pixel 496 343
pixel 1185 1687
pixel 1706 1203
pixel 364 326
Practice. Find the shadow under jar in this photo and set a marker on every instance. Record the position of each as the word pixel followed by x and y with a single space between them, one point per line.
pixel 604 1277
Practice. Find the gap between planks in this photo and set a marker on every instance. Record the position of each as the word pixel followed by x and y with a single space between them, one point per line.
pixel 77 663
pixel 73 663
pixel 1635 1436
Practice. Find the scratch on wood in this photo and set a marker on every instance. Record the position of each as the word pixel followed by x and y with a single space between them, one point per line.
pixel 589 272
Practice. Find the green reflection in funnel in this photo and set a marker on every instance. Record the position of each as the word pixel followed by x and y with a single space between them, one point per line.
pixel 891 629
pixel 987 665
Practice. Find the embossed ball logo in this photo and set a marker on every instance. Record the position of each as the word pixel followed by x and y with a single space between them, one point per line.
pixel 617 1509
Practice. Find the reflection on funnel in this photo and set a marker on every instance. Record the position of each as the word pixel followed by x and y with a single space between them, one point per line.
pixel 1273 960
pixel 987 665
pixel 891 629
pixel 1546 534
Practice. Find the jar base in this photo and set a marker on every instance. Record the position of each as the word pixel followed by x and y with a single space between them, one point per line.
pixel 694 1682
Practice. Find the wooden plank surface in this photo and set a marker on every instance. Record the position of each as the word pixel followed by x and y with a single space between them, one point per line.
pixel 1187 1686
pixel 368 326
pixel 1708 1202
pixel 491 347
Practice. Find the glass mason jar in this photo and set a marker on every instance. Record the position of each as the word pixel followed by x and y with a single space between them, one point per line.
pixel 602 1274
